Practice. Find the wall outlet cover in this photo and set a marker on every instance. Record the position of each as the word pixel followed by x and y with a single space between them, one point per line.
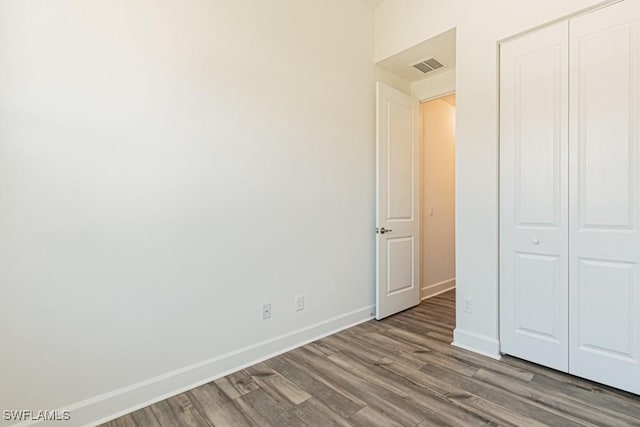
pixel 266 311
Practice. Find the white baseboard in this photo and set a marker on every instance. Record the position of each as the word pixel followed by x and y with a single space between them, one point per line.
pixel 437 288
pixel 477 343
pixel 111 405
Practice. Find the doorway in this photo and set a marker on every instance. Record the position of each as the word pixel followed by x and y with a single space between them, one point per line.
pixel 438 254
pixel 415 207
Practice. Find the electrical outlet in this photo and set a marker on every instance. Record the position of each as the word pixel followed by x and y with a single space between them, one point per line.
pixel 266 311
pixel 300 303
pixel 467 305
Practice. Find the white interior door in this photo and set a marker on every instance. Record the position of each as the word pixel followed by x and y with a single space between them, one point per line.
pixel 605 193
pixel 533 197
pixel 398 202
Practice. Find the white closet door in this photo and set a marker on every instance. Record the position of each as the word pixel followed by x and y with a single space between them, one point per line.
pixel 605 193
pixel 534 197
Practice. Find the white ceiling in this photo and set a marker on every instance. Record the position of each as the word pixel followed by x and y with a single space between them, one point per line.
pixel 442 47
pixel 372 3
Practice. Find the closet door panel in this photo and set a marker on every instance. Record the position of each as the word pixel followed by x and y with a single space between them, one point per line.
pixel 533 197
pixel 605 195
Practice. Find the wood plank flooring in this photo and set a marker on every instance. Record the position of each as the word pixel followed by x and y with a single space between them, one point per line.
pixel 401 371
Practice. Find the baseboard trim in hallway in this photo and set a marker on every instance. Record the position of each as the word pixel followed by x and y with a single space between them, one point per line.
pixel 109 406
pixel 437 289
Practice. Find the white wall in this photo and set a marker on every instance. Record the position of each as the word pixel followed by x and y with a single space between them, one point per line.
pixel 438 201
pixel 435 86
pixel 400 24
pixel 165 168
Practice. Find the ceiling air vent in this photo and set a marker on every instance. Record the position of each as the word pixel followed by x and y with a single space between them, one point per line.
pixel 429 65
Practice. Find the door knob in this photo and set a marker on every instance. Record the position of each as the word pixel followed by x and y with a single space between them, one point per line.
pixel 536 241
pixel 383 230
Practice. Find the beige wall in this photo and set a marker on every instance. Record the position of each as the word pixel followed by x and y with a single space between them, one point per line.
pixel 166 167
pixel 438 239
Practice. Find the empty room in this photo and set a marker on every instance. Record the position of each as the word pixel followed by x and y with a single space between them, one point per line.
pixel 319 212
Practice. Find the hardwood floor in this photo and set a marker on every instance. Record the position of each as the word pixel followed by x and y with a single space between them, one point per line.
pixel 401 371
